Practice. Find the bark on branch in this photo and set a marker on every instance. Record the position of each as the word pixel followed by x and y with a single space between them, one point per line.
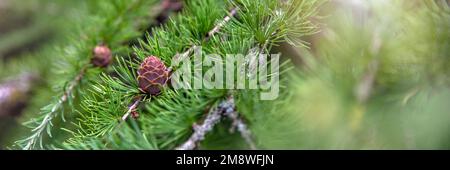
pixel 214 116
pixel 225 108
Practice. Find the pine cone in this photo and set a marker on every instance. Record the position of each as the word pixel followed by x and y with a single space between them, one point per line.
pixel 102 56
pixel 175 5
pixel 135 114
pixel 152 75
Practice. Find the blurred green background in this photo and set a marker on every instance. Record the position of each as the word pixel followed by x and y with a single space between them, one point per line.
pixel 376 76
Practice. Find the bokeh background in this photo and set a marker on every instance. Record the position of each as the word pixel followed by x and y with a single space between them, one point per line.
pixel 376 75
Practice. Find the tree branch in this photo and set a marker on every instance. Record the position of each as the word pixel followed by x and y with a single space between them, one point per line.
pixel 186 54
pixel 222 23
pixel 73 84
pixel 132 108
pixel 240 125
pixel 225 108
pixel 200 131
pixel 211 33
pixel 46 121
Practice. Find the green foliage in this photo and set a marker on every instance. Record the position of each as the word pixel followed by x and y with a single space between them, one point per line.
pixel 168 117
pixel 377 81
pixel 109 23
pixel 404 107
pixel 128 138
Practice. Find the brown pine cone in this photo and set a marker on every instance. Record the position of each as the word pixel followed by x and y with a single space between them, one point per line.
pixel 152 75
pixel 175 5
pixel 102 56
pixel 135 114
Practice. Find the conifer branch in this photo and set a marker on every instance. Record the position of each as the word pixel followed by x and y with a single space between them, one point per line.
pixel 186 54
pixel 46 121
pixel 240 125
pixel 256 27
pixel 200 131
pixel 132 108
pixel 225 108
pixel 75 82
pixel 219 26
pixel 211 33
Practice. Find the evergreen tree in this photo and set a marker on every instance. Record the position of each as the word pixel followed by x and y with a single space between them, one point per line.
pixel 374 77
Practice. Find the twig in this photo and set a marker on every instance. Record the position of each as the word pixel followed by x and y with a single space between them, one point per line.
pixel 50 115
pixel 225 108
pixel 184 55
pixel 213 117
pixel 132 108
pixel 215 30
pixel 240 125
pixel 214 114
pixel 74 83
pixel 219 26
pixel 46 121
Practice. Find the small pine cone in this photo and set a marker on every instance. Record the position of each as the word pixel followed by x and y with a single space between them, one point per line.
pixel 102 56
pixel 175 5
pixel 135 114
pixel 152 75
